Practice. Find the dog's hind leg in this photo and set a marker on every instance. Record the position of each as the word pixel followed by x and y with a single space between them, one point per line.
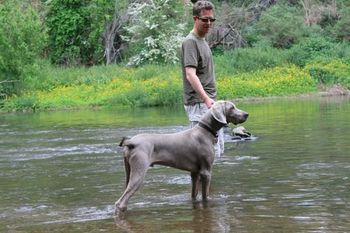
pixel 138 169
pixel 127 171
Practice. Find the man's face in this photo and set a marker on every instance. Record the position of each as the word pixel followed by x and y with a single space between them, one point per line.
pixel 204 22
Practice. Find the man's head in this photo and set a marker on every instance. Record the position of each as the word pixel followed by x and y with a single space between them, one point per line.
pixel 203 16
pixel 201 5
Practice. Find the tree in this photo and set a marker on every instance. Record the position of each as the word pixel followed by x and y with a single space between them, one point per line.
pixel 232 21
pixel 22 39
pixel 281 25
pixel 154 31
pixel 84 32
pixel 101 12
pixel 113 30
pixel 342 27
pixel 68 25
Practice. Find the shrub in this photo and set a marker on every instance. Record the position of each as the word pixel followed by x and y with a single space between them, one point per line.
pixel 330 72
pixel 106 87
pixel 68 31
pixel 21 42
pixel 270 82
pixel 342 50
pixel 154 33
pixel 309 49
pixel 281 24
pixel 342 27
pixel 248 60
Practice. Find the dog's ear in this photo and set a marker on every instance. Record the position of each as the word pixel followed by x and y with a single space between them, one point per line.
pixel 218 111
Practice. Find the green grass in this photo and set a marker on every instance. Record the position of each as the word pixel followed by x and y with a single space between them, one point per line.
pixel 161 85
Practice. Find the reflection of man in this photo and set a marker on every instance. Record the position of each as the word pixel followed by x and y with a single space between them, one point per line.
pixel 198 67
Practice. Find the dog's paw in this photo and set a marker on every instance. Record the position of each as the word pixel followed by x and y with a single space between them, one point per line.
pixel 119 209
pixel 119 212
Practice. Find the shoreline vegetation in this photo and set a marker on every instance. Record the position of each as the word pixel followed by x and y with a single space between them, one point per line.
pixel 52 57
pixel 111 86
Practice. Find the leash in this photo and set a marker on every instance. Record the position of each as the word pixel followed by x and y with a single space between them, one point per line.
pixel 204 126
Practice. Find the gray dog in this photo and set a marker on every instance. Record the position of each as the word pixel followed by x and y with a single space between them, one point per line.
pixel 190 150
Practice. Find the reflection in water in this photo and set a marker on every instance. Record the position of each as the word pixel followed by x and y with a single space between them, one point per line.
pixel 201 218
pixel 62 172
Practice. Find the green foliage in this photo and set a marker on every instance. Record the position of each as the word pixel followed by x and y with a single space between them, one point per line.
pixel 21 42
pixel 21 103
pixel 342 27
pixel 67 23
pixel 100 13
pixel 75 30
pixel 277 38
pixel 343 51
pixel 330 72
pixel 276 81
pixel 238 3
pixel 248 59
pixel 152 86
pixel 154 33
pixel 281 25
pixel 310 49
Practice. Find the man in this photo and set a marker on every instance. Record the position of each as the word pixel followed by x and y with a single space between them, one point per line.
pixel 198 68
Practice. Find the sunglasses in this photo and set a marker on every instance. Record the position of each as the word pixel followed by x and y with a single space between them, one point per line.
pixel 207 20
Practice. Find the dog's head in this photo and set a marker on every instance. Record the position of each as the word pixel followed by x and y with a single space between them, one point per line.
pixel 226 112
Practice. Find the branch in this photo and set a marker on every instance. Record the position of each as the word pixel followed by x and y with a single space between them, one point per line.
pixel 8 81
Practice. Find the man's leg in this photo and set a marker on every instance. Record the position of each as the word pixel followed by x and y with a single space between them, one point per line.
pixel 221 143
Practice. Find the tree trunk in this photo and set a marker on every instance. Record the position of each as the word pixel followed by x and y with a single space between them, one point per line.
pixel 111 35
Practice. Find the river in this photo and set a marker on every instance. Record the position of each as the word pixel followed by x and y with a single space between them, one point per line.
pixel 63 171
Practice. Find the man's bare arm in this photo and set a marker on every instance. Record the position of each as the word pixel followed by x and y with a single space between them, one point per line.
pixel 193 79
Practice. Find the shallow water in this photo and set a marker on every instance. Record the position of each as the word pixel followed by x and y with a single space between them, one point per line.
pixel 63 171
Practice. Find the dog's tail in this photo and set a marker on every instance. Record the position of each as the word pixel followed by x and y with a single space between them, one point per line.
pixel 125 142
pixel 122 141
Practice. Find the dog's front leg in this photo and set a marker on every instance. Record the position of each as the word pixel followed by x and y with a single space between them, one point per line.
pixel 205 177
pixel 195 184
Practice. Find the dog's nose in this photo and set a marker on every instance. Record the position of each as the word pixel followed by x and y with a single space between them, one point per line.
pixel 245 114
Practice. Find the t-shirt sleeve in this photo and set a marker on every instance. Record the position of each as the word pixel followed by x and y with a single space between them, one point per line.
pixel 190 53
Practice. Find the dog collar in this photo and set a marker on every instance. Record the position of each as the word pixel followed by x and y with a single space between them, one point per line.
pixel 204 126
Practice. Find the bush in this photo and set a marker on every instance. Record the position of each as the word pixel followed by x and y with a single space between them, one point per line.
pixel 108 86
pixel 342 50
pixel 155 33
pixel 342 27
pixel 309 49
pixel 281 25
pixel 21 42
pixel 248 60
pixel 115 86
pixel 278 81
pixel 21 103
pixel 330 72
pixel 68 31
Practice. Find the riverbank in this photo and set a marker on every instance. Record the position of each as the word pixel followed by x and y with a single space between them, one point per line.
pixel 322 92
pixel 155 85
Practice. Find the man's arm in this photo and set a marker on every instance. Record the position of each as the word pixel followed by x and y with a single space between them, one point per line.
pixel 193 79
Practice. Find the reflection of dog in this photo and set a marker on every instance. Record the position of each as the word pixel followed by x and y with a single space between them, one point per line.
pixel 191 150
pixel 202 218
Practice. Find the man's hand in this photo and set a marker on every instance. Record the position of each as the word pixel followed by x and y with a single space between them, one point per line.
pixel 209 102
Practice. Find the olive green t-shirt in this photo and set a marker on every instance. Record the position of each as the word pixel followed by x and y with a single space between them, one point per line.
pixel 196 53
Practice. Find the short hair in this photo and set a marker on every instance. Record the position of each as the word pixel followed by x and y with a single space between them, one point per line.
pixel 201 5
